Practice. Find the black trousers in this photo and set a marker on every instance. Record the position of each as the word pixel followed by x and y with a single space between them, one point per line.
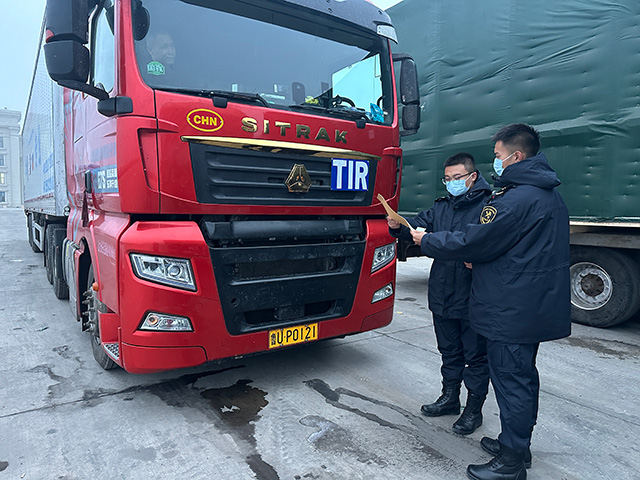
pixel 516 382
pixel 464 354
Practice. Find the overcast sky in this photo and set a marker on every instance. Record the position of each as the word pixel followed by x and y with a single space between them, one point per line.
pixel 19 33
pixel 20 23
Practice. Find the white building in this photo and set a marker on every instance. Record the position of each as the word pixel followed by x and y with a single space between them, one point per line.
pixel 10 172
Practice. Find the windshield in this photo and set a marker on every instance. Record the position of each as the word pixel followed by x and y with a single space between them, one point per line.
pixel 278 59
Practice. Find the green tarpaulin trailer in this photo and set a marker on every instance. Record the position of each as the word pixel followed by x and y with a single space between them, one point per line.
pixel 570 68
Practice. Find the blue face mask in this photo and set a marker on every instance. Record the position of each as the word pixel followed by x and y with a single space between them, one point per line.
pixel 457 187
pixel 497 165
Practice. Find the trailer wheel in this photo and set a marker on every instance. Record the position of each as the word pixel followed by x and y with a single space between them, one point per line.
pixel 49 251
pixel 605 286
pixel 91 297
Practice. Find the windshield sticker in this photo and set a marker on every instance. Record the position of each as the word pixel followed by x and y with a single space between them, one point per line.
pixel 155 68
pixel 349 174
pixel 105 179
pixel 205 120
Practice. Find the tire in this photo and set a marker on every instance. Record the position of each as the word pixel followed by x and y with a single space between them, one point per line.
pixel 605 286
pixel 49 249
pixel 60 288
pixel 99 354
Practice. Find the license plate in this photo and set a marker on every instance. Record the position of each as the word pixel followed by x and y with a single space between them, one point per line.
pixel 293 335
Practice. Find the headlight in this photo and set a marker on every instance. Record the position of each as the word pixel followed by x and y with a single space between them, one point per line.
pixel 384 292
pixel 382 256
pixel 163 322
pixel 175 272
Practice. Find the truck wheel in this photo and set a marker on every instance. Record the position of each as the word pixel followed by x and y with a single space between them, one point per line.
pixel 605 286
pixel 49 249
pixel 91 298
pixel 60 287
pixel 32 243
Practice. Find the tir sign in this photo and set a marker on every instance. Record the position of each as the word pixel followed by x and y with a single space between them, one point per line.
pixel 349 174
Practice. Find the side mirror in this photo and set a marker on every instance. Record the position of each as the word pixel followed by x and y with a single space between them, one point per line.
pixel 409 93
pixel 409 90
pixel 67 20
pixel 67 58
pixel 141 21
pixel 410 119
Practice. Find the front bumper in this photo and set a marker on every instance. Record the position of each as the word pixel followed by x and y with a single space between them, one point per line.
pixel 217 332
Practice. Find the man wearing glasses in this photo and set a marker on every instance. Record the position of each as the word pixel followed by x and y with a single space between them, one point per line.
pixel 463 351
pixel 520 293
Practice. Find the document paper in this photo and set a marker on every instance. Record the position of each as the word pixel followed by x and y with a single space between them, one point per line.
pixel 393 215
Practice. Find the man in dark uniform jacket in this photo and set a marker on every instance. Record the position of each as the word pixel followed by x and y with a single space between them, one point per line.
pixel 520 290
pixel 464 352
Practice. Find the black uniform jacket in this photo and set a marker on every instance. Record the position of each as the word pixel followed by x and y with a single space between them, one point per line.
pixel 450 280
pixel 520 254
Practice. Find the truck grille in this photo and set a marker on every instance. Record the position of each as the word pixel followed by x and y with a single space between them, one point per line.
pixel 245 177
pixel 276 273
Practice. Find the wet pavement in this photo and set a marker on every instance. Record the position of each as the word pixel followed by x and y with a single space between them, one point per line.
pixel 339 409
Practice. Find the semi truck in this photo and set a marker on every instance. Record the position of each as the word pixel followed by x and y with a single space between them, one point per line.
pixel 570 69
pixel 201 176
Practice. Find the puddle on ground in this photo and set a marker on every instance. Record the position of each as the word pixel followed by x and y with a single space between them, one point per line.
pixel 333 397
pixel 331 437
pixel 604 347
pixel 238 407
pixel 233 409
pixel 407 299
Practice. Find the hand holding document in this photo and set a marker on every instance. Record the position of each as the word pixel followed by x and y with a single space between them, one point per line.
pixel 394 216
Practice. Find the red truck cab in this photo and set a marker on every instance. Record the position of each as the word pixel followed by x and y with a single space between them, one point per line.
pixel 223 161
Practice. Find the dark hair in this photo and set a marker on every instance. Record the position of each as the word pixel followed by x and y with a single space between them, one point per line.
pixel 519 136
pixel 461 158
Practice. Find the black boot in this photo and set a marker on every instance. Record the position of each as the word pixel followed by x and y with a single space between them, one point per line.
pixel 447 404
pixel 507 465
pixel 492 446
pixel 471 417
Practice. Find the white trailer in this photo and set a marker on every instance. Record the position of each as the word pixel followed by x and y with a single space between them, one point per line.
pixel 44 171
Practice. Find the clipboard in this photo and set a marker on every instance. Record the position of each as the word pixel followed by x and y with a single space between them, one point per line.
pixel 393 215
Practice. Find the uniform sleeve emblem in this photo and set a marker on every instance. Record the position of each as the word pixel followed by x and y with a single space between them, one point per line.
pixel 488 214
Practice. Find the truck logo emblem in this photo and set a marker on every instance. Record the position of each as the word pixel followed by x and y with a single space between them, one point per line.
pixel 298 180
pixel 205 120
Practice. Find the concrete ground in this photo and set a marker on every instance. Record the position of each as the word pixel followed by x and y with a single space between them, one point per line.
pixel 340 409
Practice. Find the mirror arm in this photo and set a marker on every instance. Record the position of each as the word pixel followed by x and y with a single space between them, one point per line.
pixel 398 57
pixel 96 92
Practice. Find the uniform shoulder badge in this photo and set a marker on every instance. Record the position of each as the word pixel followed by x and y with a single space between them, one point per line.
pixel 502 191
pixel 488 214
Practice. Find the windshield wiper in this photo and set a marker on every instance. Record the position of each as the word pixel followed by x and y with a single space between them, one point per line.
pixel 247 97
pixel 344 112
pixel 252 97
